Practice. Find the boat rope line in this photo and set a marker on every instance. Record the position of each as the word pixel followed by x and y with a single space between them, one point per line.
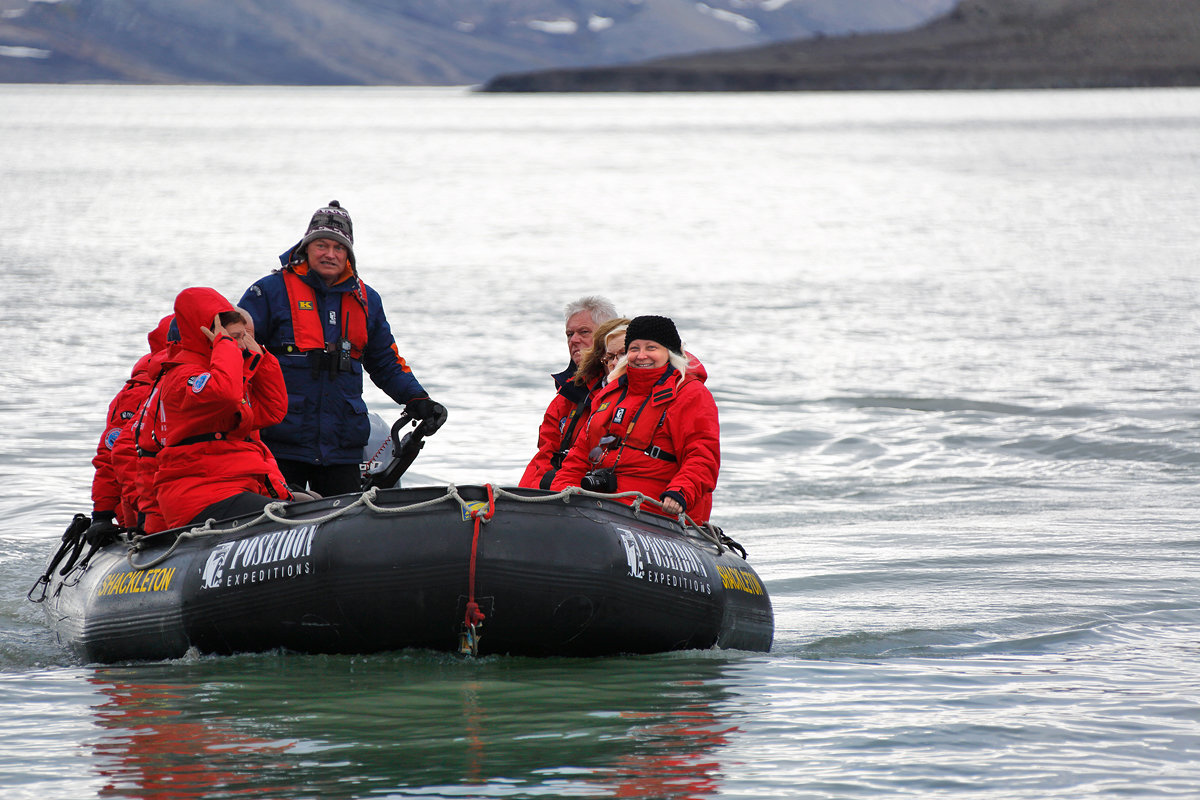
pixel 274 512
pixel 468 643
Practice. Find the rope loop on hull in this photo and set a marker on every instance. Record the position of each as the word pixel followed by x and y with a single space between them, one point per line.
pixel 478 512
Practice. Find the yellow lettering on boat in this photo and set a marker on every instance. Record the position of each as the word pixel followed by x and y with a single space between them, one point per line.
pixel 740 579
pixel 149 580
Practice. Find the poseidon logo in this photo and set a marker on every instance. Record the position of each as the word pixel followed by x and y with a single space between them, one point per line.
pixel 214 568
pixel 260 558
pixel 656 559
pixel 633 555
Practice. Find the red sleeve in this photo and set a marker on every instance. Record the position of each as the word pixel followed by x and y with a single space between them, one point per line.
pixel 696 437
pixel 106 492
pixel 124 450
pixel 549 440
pixel 275 479
pixel 124 464
pixel 268 393
pixel 221 390
pixel 124 454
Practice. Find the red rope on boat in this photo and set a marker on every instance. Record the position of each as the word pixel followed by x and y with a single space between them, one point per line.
pixel 474 614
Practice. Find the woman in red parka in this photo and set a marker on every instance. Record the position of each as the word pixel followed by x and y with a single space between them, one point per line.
pixel 217 390
pixel 570 408
pixel 653 425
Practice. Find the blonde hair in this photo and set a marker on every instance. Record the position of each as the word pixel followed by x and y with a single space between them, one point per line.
pixel 676 360
pixel 591 365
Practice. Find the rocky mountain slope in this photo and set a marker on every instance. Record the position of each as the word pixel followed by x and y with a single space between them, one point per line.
pixel 981 44
pixel 397 41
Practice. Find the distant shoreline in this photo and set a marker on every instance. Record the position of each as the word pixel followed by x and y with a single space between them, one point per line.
pixel 981 45
pixel 666 80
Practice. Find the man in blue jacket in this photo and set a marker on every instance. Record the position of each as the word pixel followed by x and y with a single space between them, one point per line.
pixel 326 326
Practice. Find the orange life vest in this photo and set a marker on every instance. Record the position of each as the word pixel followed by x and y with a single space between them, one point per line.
pixel 307 327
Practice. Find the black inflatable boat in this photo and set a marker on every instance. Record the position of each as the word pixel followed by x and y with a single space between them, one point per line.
pixel 472 569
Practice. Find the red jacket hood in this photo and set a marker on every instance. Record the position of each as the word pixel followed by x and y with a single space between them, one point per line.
pixel 695 369
pixel 141 369
pixel 158 345
pixel 195 309
pixel 158 361
pixel 158 337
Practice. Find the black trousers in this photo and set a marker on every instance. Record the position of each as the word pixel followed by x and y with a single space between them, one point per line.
pixel 236 506
pixel 324 479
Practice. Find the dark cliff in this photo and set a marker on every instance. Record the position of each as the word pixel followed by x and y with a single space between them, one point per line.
pixel 981 44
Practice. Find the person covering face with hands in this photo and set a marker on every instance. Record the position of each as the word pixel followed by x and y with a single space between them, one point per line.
pixel 218 389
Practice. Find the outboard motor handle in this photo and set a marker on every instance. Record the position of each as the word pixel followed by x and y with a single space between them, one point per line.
pixel 405 450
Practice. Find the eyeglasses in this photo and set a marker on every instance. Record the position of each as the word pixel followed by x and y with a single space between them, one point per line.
pixel 611 358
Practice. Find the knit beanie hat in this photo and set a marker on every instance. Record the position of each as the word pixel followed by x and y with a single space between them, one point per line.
pixel 656 329
pixel 331 222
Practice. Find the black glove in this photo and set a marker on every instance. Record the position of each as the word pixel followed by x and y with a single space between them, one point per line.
pixel 102 530
pixel 432 415
pixel 676 496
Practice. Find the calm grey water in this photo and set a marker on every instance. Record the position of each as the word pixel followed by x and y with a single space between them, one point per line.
pixel 953 339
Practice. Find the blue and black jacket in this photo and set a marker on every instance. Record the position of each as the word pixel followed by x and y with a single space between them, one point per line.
pixel 327 420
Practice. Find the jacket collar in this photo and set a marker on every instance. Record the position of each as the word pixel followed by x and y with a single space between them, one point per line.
pixel 661 382
pixel 567 387
pixel 641 381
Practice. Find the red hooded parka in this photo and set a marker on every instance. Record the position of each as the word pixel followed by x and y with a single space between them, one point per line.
pixel 562 421
pixel 571 401
pixel 683 451
pixel 115 482
pixel 212 402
